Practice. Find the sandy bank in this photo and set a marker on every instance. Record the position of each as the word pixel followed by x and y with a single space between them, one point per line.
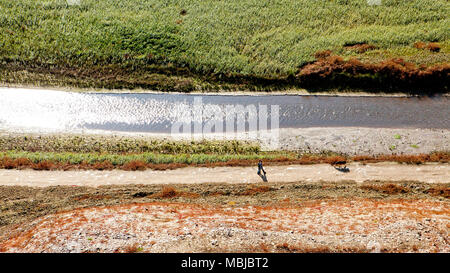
pixel 367 141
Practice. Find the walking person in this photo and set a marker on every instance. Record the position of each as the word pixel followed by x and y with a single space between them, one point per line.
pixel 261 168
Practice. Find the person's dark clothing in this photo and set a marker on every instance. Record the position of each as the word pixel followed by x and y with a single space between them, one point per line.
pixel 260 168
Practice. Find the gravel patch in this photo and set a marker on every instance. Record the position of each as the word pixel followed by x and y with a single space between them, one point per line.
pixel 364 141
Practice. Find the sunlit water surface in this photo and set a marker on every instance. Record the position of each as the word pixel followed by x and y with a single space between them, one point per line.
pixel 30 110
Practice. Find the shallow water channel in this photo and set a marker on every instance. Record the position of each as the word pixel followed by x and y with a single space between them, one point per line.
pixel 29 110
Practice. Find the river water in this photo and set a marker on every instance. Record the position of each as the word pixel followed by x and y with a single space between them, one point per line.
pixel 30 110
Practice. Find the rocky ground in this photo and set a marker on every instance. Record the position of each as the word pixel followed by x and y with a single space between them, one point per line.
pixel 270 217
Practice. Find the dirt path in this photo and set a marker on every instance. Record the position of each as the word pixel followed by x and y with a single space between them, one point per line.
pixel 429 173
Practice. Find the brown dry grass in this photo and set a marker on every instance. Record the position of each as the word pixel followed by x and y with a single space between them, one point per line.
pixel 44 165
pixel 135 166
pixel 168 192
pixel 360 47
pixel 420 45
pixel 439 191
pixel 24 163
pixel 408 159
pixel 171 192
pixel 254 190
pixel 335 159
pixel 386 188
pixel 322 54
pixel 363 158
pixel 388 75
pixel 216 193
pixel 105 165
pixel 433 47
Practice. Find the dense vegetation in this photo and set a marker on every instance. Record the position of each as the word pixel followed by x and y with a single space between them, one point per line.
pixel 121 145
pixel 50 152
pixel 183 44
pixel 142 161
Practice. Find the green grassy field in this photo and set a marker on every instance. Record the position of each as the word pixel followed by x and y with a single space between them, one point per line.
pixel 121 159
pixel 105 152
pixel 184 45
pixel 122 145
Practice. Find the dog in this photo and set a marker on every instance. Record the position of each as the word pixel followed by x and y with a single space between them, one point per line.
pixel 341 166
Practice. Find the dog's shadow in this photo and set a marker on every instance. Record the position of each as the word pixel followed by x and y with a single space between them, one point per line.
pixel 342 169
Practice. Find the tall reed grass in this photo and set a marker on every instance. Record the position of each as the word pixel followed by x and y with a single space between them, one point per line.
pixel 266 38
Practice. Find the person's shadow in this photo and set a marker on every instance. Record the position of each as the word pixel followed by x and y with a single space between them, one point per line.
pixel 263 177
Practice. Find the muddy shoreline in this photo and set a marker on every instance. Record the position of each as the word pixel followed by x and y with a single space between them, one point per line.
pixel 299 92
pixel 324 75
